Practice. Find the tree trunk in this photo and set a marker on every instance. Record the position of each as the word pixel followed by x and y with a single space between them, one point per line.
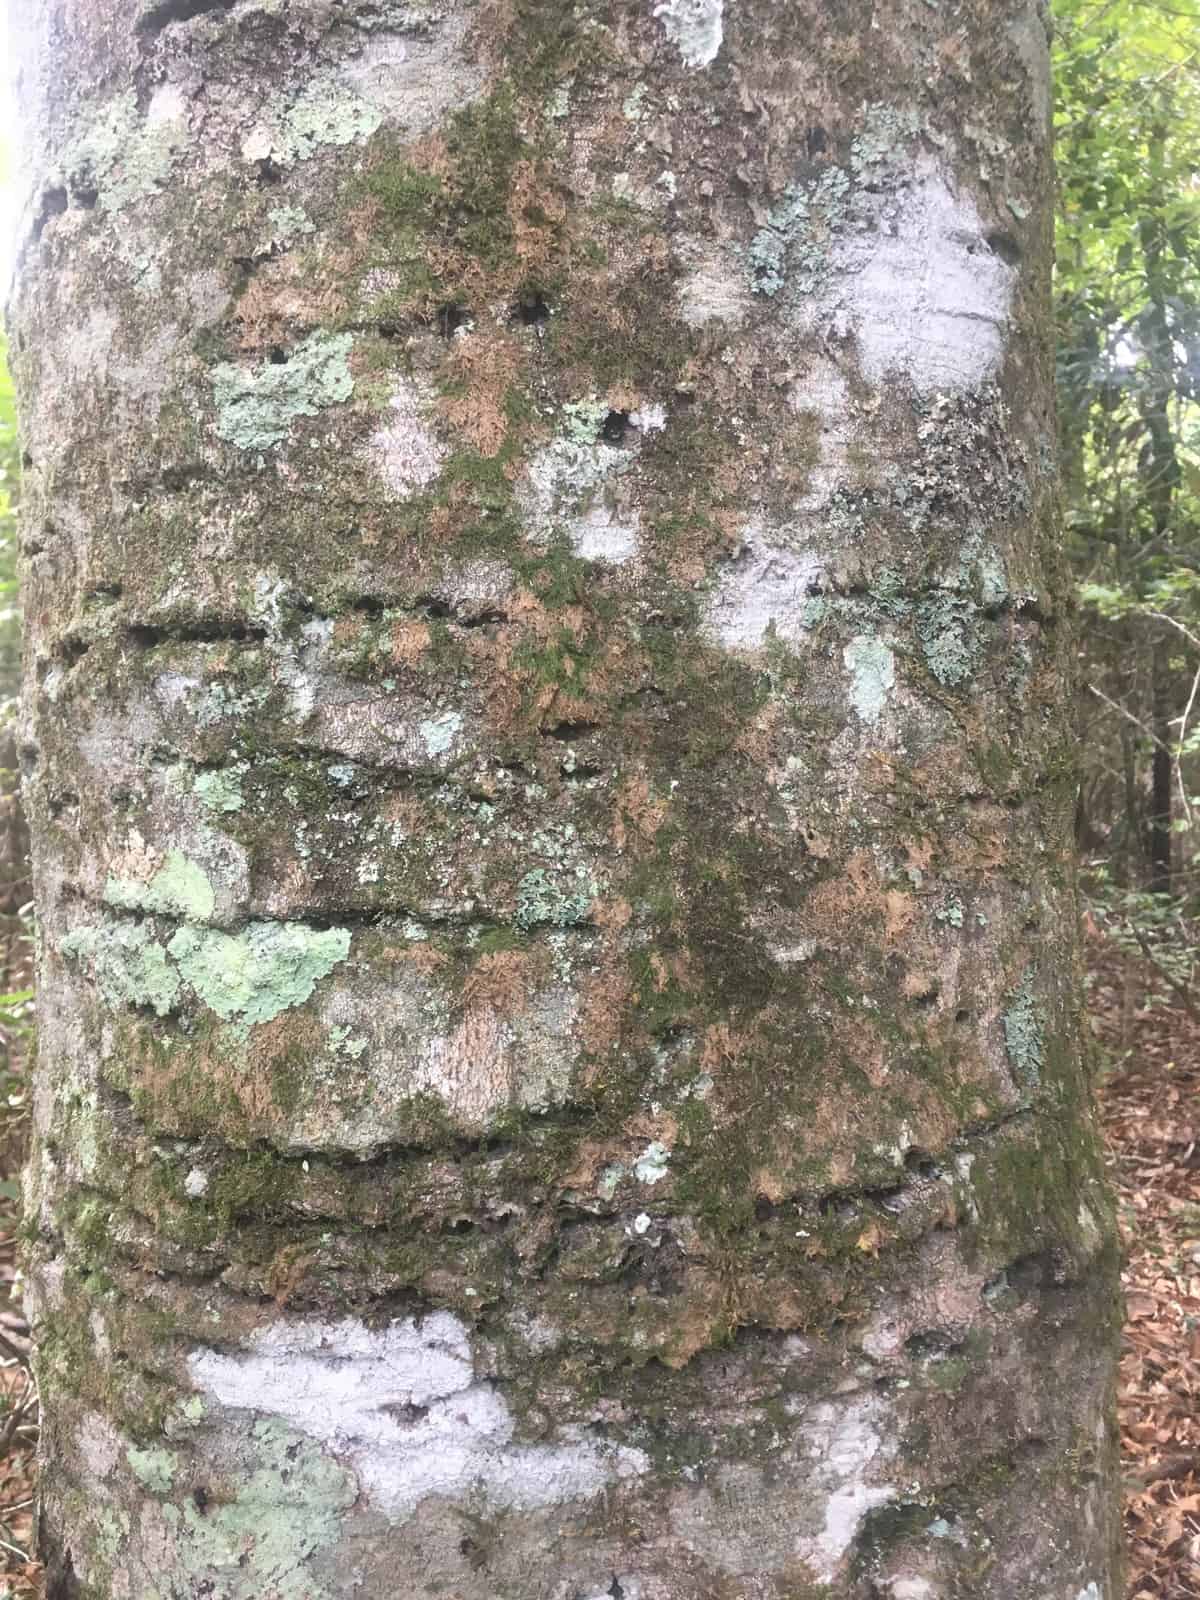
pixel 560 1065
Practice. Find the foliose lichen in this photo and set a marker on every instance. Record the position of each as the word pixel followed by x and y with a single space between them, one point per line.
pixel 251 977
pixel 178 889
pixel 256 406
pixel 541 901
pixel 872 668
pixel 1024 1032
pixel 326 114
pixel 130 968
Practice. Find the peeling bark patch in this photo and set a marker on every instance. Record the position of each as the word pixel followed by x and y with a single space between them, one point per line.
pixel 403 1407
pixel 695 27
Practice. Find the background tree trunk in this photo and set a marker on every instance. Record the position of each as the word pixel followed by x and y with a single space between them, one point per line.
pixel 560 1063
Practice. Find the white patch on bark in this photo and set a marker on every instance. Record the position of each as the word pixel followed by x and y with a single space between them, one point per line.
pixel 695 27
pixel 765 588
pixel 920 289
pixel 403 1407
pixel 196 1183
pixel 407 453
pixel 846 1444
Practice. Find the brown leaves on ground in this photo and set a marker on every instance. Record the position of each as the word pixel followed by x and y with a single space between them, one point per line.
pixel 1151 1104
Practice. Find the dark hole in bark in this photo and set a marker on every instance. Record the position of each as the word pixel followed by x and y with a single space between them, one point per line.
pixel 762 1208
pixel 54 203
pixel 921 1162
pixel 450 318
pixel 86 196
pixel 266 172
pixel 616 428
pixel 962 1015
pixel 816 140
pixel 532 309
pixel 277 356
pixel 200 1498
pixel 165 12
pixel 26 460
pixel 1005 246
pixel 406 1412
pixel 570 730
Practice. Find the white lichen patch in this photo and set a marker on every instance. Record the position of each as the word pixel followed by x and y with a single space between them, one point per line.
pixel 573 485
pixel 196 1183
pixel 695 27
pixel 847 1444
pixel 439 734
pixel 766 591
pixel 652 1165
pixel 402 1406
pixel 406 452
pixel 917 286
pixel 872 669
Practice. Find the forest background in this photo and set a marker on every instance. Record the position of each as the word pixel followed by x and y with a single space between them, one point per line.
pixel 1127 305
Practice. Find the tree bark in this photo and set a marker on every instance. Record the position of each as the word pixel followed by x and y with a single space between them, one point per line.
pixel 560 1067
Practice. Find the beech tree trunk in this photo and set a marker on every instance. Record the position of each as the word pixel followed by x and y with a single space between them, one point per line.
pixel 560 1059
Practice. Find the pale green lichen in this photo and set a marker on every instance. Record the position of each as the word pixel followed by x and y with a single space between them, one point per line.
pixel 261 1540
pixel 795 233
pixel 220 791
pixel 341 1043
pixel 883 135
pixel 541 901
pixel 872 668
pixel 256 406
pixel 130 969
pixel 251 977
pixel 651 1166
pixel 439 733
pixel 125 156
pixel 326 114
pixel 288 223
pixel 583 419
pixel 178 889
pixel 1024 1032
pixel 945 627
pixel 154 1468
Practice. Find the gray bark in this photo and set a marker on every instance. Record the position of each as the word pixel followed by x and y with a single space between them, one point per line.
pixel 560 1066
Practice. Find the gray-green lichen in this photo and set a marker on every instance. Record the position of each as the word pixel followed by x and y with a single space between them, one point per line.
pixel 325 114
pixel 251 977
pixel 178 889
pixel 945 629
pixel 795 232
pixel 125 155
pixel 130 968
pixel 1024 1033
pixel 153 1467
pixel 541 901
pixel 220 791
pixel 872 668
pixel 245 978
pixel 257 405
pixel 260 1541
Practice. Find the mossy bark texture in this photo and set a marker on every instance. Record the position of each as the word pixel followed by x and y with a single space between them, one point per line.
pixel 560 1061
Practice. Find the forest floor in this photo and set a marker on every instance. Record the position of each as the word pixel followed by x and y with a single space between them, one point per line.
pixel 1150 1101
